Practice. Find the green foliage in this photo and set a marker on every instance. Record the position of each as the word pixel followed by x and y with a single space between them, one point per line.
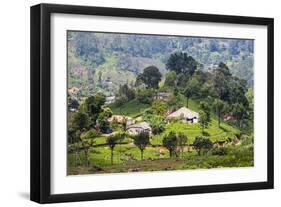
pixel 205 107
pixel 159 107
pixel 182 140
pixel 181 63
pixel 157 123
pixel 78 121
pixel 111 141
pixel 171 79
pixel 170 142
pixel 124 95
pixel 113 63
pixel 93 106
pixel 220 151
pixel 86 46
pixel 91 134
pixel 144 95
pixel 219 106
pixel 202 145
pixel 150 77
pixel 203 120
pixel 141 140
pixel 132 108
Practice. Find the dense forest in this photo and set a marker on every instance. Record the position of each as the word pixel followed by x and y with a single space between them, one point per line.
pixel 103 61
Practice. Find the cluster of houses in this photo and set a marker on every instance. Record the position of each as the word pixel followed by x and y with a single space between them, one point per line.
pixel 134 127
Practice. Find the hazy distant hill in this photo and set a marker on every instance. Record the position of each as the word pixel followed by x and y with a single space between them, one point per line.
pixel 103 61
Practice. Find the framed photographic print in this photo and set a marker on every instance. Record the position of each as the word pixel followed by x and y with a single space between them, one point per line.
pixel 133 103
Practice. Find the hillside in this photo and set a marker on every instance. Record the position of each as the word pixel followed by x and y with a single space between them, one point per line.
pixel 103 61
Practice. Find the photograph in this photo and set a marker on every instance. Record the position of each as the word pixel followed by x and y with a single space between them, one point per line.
pixel 153 102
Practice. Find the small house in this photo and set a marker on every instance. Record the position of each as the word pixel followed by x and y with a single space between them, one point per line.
pixel 139 127
pixel 185 114
pixel 163 96
pixel 109 100
pixel 121 119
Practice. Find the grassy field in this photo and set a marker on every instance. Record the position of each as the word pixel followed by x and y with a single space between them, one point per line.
pixel 127 159
pixel 132 108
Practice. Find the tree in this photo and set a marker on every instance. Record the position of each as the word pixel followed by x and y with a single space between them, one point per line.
pixel 203 120
pixel 93 106
pixel 202 145
pixel 150 77
pixel 141 140
pixel 171 79
pixel 78 121
pixel 218 107
pixel 239 112
pixel 182 139
pixel 222 77
pixel 170 142
pixel 127 92
pixel 208 89
pixel 87 141
pixel 157 123
pixel 250 97
pixel 102 120
pixel 159 107
pixel 181 63
pixel 204 106
pixel 187 94
pixel 194 85
pixel 111 141
pixel 144 95
pixel 77 124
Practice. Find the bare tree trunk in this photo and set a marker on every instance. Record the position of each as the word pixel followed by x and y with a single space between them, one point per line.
pixel 111 156
pixel 171 154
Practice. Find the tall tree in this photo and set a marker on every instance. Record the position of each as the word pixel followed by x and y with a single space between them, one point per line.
pixel 150 76
pixel 78 123
pixel 239 112
pixel 187 93
pixel 171 79
pixel 141 140
pixel 204 106
pixel 170 142
pixel 222 78
pixel 218 107
pixel 124 90
pixel 159 107
pixel 203 120
pixel 93 106
pixel 182 140
pixel 112 141
pixel 88 141
pixel 181 63
pixel 102 121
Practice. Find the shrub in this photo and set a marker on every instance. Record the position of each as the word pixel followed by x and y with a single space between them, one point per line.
pixel 202 145
pixel 219 151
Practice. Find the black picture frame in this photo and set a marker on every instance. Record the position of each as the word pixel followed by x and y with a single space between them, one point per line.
pixel 41 99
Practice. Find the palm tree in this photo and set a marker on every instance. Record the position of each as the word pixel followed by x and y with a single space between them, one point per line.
pixel 112 141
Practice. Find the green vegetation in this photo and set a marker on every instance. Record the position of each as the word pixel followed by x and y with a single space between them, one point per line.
pixel 128 112
pixel 103 61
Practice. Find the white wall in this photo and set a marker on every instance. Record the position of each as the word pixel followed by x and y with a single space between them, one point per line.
pixel 14 104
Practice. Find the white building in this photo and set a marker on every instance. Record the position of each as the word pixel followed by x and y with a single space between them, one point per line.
pixel 185 114
pixel 139 127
